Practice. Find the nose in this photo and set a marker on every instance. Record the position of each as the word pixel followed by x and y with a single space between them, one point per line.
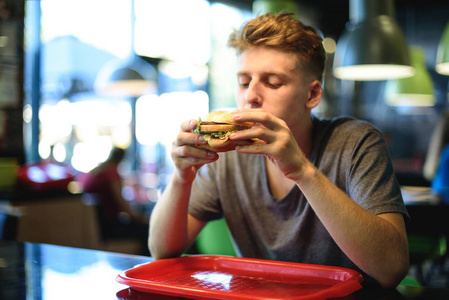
pixel 252 95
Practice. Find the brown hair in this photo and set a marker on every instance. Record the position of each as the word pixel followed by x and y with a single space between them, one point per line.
pixel 284 33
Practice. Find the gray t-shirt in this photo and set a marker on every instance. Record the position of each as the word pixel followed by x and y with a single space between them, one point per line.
pixel 351 153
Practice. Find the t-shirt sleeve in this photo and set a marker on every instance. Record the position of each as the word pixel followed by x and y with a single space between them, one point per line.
pixel 372 181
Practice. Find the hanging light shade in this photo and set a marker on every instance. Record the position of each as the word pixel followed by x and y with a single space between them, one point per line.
pixel 132 77
pixel 442 61
pixel 275 6
pixel 417 90
pixel 372 46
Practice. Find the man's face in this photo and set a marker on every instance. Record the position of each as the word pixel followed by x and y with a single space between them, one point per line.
pixel 271 80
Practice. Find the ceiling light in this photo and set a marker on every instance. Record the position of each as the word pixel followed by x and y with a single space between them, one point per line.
pixel 442 61
pixel 275 6
pixel 372 46
pixel 417 90
pixel 132 77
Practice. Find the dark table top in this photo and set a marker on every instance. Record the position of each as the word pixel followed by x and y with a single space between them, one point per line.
pixel 41 271
pixel 48 272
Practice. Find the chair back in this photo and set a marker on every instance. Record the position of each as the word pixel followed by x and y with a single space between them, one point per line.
pixel 214 239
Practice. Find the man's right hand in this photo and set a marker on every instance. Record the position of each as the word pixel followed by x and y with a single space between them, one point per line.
pixel 186 157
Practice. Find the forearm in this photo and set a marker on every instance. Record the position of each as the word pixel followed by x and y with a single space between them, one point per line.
pixel 168 235
pixel 172 229
pixel 376 245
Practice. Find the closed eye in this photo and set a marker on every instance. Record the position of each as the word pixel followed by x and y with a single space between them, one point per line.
pixel 273 81
pixel 273 85
pixel 244 81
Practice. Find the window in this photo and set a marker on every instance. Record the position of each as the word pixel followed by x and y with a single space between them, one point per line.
pixel 179 37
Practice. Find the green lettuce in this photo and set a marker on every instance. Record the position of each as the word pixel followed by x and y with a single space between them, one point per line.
pixel 208 136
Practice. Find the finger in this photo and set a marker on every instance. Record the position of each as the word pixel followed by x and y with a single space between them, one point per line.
pixel 241 110
pixel 257 132
pixel 185 163
pixel 194 154
pixel 259 147
pixel 189 125
pixel 256 116
pixel 188 138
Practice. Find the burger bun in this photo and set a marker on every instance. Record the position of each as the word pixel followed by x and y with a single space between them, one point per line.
pixel 217 145
pixel 224 117
pixel 222 121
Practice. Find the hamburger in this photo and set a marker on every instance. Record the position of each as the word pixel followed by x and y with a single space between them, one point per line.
pixel 216 128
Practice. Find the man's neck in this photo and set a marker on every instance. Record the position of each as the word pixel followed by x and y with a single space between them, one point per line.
pixel 279 185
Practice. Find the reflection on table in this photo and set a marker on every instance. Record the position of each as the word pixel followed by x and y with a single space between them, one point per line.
pixel 40 271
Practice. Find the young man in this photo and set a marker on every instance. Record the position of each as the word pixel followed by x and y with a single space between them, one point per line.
pixel 312 191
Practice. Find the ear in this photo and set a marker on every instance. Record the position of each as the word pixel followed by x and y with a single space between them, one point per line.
pixel 314 95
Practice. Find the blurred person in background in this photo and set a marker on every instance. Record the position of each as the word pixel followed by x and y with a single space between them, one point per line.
pixel 436 165
pixel 117 218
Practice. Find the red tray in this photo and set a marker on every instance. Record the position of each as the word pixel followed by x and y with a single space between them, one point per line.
pixel 225 277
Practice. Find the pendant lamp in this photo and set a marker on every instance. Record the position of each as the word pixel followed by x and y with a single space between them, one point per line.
pixel 275 6
pixel 131 77
pixel 373 46
pixel 442 61
pixel 414 91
